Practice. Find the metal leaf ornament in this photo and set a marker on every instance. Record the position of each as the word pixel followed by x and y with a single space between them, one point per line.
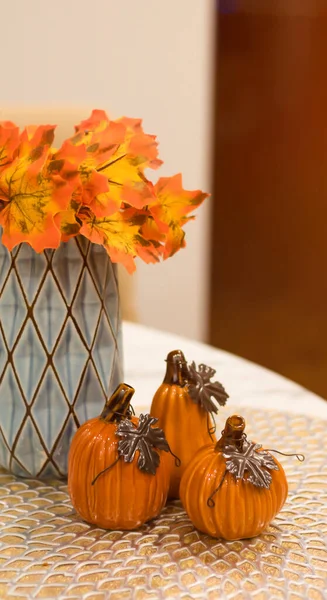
pixel 143 438
pixel 202 390
pixel 249 459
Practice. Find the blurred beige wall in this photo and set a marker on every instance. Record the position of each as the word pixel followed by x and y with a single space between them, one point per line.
pixel 147 59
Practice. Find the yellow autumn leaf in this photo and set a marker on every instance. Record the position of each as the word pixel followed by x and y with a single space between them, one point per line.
pixel 173 204
pixel 67 223
pixel 9 140
pixel 115 234
pixel 121 237
pixel 120 151
pixel 31 198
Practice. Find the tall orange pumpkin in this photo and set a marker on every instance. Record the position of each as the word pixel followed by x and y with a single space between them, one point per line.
pixel 233 489
pixel 118 467
pixel 184 409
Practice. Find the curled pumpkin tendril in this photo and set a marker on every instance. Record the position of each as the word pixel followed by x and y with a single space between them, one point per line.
pixel 300 457
pixel 213 427
pixel 178 461
pixel 140 441
pixel 177 464
pixel 106 469
pixel 210 502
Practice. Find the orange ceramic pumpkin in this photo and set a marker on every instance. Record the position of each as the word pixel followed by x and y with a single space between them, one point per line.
pixel 183 407
pixel 233 489
pixel 118 473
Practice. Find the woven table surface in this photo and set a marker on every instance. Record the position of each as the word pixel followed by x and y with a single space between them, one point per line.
pixel 46 551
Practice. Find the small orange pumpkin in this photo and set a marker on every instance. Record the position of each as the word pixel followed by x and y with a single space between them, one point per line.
pixel 233 489
pixel 183 407
pixel 118 469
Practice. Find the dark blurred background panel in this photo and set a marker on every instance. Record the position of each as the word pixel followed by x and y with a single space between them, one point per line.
pixel 269 232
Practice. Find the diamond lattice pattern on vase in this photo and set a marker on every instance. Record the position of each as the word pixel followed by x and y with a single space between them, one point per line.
pixel 60 350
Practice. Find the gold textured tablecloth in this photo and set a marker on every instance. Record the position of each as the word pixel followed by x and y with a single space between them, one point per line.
pixel 46 551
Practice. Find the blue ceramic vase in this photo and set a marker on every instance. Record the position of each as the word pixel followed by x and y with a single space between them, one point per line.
pixel 60 350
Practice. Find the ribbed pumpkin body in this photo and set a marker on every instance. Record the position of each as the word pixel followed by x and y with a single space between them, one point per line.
pixel 185 425
pixel 123 497
pixel 241 510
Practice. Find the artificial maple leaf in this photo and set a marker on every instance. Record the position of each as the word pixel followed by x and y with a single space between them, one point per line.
pixel 142 438
pixel 120 237
pixel 32 197
pixel 148 240
pixel 251 459
pixel 101 140
pixel 169 210
pixel 66 163
pixel 35 136
pixel 9 140
pixel 70 153
pixel 97 121
pixel 127 182
pixel 100 143
pixel 138 152
pixel 149 251
pixel 67 223
pixel 201 389
pixel 119 150
pixel 141 145
pixel 173 201
pixel 175 240
pixel 89 183
pixel 150 229
pixel 95 193
pixel 115 234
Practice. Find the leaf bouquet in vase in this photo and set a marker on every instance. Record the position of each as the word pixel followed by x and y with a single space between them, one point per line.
pixel 67 216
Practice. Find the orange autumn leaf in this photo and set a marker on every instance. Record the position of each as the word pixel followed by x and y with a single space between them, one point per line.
pixel 95 194
pixel 101 139
pixel 149 251
pixel 32 196
pixel 121 238
pixel 97 121
pixel 148 228
pixel 71 153
pixel 67 224
pixel 100 136
pixel 96 129
pixel 115 234
pixel 120 151
pixel 127 183
pixel 34 139
pixel 139 152
pixel 67 163
pixel 36 135
pixel 151 231
pixel 140 144
pixel 169 210
pixel 90 185
pixel 9 140
pixel 149 239
pixel 126 180
pixel 96 188
pixel 173 201
pixel 100 143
